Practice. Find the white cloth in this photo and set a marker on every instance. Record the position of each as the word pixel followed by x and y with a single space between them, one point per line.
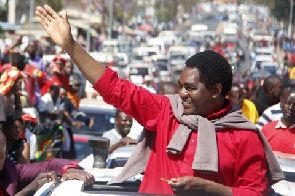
pixel 112 135
pixel 46 104
pixel 273 113
pixel 31 138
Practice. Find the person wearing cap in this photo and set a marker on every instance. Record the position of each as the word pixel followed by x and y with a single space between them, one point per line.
pixel 57 75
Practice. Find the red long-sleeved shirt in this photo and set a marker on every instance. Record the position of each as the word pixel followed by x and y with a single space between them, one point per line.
pixel 242 163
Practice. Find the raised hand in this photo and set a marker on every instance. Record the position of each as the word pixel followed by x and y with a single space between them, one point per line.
pixel 57 26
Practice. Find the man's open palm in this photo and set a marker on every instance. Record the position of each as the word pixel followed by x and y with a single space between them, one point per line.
pixel 57 26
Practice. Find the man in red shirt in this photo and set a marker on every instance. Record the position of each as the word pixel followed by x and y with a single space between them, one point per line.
pixel 281 134
pixel 238 170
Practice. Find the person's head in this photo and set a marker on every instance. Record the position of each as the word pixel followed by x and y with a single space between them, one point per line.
pixel 75 82
pixel 123 123
pixel 69 68
pixel 272 87
pixel 167 88
pixel 32 48
pixel 2 149
pixel 17 60
pixel 62 93
pixel 236 94
pixel 10 130
pixel 58 65
pixel 54 91
pixel 204 83
pixel 288 104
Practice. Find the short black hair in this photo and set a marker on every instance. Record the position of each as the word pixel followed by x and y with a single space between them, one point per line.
pixel 213 69
pixel 271 81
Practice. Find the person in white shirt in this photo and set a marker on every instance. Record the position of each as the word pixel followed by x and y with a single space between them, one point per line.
pixel 119 135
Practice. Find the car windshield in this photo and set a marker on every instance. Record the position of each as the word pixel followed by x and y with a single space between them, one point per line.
pixel 82 150
pixel 103 121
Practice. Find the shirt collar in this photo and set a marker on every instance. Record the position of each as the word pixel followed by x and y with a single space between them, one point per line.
pixel 227 107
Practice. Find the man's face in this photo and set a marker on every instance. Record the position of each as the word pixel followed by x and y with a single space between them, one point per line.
pixel 235 95
pixel 288 106
pixel 32 47
pixel 196 98
pixel 123 124
pixel 2 150
pixel 276 91
pixel 68 68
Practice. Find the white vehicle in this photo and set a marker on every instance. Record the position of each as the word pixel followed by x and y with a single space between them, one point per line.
pixel 136 72
pixel 179 54
pixel 169 37
pixel 115 46
pixel 157 42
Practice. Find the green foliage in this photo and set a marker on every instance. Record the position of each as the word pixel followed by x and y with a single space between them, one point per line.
pixel 281 9
pixel 55 4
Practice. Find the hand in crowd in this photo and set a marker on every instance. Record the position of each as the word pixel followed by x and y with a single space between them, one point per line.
pixel 127 140
pixel 57 26
pixel 37 183
pixel 77 174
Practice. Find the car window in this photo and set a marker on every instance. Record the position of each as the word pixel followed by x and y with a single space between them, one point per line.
pixel 82 150
pixel 104 121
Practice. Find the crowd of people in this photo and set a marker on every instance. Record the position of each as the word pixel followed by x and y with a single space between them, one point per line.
pixel 198 138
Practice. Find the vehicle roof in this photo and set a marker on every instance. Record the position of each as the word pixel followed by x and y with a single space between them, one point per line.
pixel 97 102
pixel 123 152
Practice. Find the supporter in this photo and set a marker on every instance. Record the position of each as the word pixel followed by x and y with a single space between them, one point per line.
pixel 268 94
pixel 35 59
pixel 18 150
pixel 118 136
pixel 281 133
pixel 273 113
pixel 248 107
pixel 193 161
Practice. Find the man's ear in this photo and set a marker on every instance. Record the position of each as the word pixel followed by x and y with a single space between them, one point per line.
pixel 216 90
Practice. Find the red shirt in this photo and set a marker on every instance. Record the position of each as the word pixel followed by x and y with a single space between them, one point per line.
pixel 280 139
pixel 240 167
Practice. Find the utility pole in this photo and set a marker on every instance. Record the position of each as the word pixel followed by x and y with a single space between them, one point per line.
pixel 32 7
pixel 290 19
pixel 110 25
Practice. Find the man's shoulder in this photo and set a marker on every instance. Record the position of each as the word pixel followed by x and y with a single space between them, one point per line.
pixel 110 132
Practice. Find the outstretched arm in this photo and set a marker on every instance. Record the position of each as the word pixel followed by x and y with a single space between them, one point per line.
pixel 59 30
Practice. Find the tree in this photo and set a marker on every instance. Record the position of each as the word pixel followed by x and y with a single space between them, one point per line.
pixel 55 4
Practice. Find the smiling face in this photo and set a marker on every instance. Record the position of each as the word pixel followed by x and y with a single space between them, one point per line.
pixel 196 98
pixel 288 107
pixel 123 124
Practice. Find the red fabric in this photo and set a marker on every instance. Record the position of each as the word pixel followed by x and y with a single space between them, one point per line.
pixel 240 167
pixel 282 140
pixel 56 79
pixel 2 193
